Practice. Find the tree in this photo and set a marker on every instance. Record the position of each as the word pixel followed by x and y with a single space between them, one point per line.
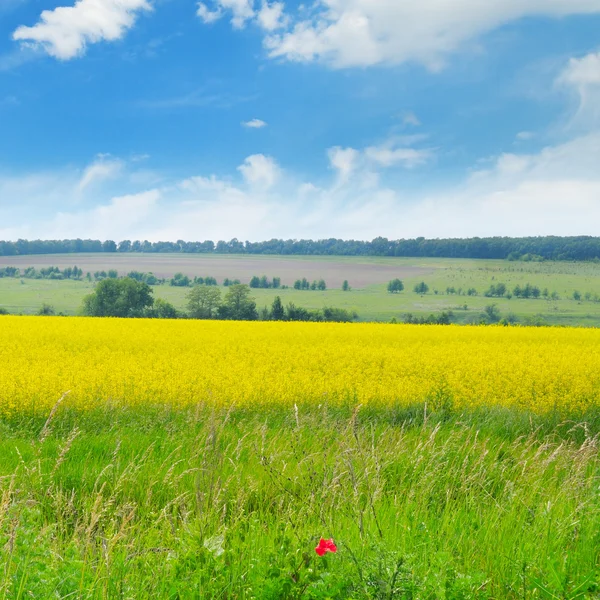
pixel 164 310
pixel 47 310
pixel 203 301
pixel 321 285
pixel 255 282
pixel 238 305
pixel 109 246
pixel 491 313
pixel 180 280
pixel 395 286
pixel 277 310
pixel 577 295
pixel 345 286
pixel 421 288
pixel 118 298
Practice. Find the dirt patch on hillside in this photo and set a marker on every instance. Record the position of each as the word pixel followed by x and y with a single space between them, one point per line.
pixel 333 271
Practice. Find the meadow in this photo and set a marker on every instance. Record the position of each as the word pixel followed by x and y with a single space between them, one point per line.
pixel 368 278
pixel 195 459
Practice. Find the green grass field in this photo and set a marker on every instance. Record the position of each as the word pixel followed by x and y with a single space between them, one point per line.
pixel 371 302
pixel 160 503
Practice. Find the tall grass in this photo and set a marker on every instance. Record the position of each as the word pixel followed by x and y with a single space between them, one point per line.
pixel 202 503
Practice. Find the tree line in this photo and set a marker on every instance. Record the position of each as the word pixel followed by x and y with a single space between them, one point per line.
pixel 130 298
pixel 583 248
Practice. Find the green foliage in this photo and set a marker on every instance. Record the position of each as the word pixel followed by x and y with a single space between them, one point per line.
pixel 497 290
pixel 46 310
pixel 346 286
pixel 421 288
pixel 180 280
pixel 277 310
pixel 491 313
pixel 527 291
pixel 229 503
pixel 395 286
pixel 238 305
pixel 443 318
pixel 529 249
pixel 577 295
pixel 118 298
pixel 163 310
pixel 203 301
pixel 265 283
pixel 148 278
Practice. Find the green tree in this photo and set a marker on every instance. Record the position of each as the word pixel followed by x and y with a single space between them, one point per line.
pixel 491 313
pixel 255 282
pixel 321 285
pixel 421 288
pixel 203 301
pixel 47 310
pixel 345 286
pixel 277 310
pixel 180 280
pixel 395 286
pixel 164 310
pixel 577 295
pixel 238 305
pixel 118 298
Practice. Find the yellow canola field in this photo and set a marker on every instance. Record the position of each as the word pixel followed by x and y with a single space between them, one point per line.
pixel 181 363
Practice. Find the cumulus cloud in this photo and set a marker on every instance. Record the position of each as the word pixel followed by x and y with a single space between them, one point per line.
pixel 268 16
pixel 104 167
pixel 344 161
pixel 271 16
pixel 254 124
pixel 582 72
pixel 582 75
pixel 260 171
pixel 241 11
pixel 207 15
pixel 555 191
pixel 66 31
pixel 360 33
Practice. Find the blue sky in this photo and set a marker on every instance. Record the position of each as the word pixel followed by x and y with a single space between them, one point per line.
pixel 170 119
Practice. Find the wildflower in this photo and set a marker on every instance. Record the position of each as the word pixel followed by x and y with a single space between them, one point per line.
pixel 325 546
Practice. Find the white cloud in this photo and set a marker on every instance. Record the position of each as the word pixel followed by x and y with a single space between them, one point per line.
pixel 260 171
pixel 103 168
pixel 344 161
pixel 524 136
pixel 582 72
pixel 271 16
pixel 555 191
pixel 254 124
pixel 242 11
pixel 65 32
pixel 583 76
pixel 351 33
pixel 410 119
pixel 207 15
pixel 389 156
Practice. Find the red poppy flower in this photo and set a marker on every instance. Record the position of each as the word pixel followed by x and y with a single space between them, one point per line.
pixel 325 546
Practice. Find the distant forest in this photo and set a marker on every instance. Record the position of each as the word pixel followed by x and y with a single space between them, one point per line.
pixel 529 248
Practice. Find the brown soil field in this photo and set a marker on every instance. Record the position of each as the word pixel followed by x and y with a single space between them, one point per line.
pixel 333 270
